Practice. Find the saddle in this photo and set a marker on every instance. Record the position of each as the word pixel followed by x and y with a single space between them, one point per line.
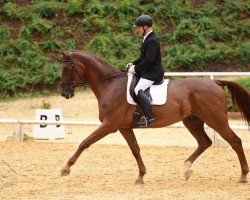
pixel 134 82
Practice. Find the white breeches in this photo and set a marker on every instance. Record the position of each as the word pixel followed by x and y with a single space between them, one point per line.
pixel 143 84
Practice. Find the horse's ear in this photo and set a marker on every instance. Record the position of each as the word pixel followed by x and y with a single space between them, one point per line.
pixel 63 53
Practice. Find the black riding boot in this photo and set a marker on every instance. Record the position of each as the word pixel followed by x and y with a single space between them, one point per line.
pixel 145 104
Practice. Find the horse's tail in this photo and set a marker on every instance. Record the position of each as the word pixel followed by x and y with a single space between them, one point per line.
pixel 240 97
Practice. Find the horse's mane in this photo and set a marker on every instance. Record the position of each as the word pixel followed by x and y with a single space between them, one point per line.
pixel 111 67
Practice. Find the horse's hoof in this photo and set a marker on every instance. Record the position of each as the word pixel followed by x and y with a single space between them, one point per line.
pixel 188 174
pixel 139 182
pixel 243 181
pixel 65 172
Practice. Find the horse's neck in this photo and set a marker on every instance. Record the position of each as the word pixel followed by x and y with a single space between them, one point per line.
pixel 99 71
pixel 96 73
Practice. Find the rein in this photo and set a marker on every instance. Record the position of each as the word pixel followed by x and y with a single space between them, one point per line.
pixel 71 84
pixel 84 82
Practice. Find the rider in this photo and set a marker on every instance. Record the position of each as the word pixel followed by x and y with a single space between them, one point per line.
pixel 148 66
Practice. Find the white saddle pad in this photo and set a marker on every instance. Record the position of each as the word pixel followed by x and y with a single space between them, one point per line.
pixel 158 92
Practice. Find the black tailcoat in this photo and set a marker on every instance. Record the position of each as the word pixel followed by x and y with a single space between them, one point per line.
pixel 149 64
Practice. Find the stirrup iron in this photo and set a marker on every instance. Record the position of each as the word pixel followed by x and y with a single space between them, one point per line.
pixel 145 121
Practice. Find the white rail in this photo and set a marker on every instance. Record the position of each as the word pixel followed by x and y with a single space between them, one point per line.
pixel 90 123
pixel 47 122
pixel 210 74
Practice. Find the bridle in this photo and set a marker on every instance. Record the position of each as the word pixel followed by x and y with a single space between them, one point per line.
pixel 71 84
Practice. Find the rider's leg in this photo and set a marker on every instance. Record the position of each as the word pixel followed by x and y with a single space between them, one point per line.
pixel 143 84
pixel 144 101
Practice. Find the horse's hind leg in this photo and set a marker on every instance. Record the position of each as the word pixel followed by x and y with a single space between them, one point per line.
pixel 196 127
pixel 129 136
pixel 227 134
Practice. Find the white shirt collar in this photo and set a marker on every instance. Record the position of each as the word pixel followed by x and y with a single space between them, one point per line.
pixel 145 36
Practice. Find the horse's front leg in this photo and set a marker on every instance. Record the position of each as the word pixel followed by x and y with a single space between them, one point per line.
pixel 129 136
pixel 98 134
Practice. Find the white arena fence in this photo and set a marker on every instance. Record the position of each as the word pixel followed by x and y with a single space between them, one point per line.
pixel 90 123
pixel 211 75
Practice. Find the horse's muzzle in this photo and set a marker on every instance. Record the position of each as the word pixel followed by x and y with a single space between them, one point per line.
pixel 68 94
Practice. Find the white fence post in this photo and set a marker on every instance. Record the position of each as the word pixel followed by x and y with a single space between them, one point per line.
pixel 17 132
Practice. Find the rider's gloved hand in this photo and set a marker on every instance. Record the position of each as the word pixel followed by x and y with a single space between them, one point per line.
pixel 128 66
pixel 131 69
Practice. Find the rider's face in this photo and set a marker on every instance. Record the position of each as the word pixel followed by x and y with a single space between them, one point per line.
pixel 140 30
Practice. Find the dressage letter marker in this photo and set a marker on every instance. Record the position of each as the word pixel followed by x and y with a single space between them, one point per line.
pixel 43 131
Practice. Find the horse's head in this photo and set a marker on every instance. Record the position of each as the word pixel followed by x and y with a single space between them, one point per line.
pixel 71 76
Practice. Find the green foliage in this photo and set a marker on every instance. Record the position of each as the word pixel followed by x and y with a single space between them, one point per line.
pixel 181 55
pixel 184 31
pixel 7 1
pixel 86 25
pixel 57 32
pixel 245 82
pixel 24 69
pixel 242 28
pixel 232 6
pixel 128 7
pixel 9 9
pixel 45 104
pixel 94 23
pixel 46 9
pixel 25 32
pixel 230 106
pixel 94 7
pixel 70 44
pixel 243 53
pixel 51 72
pixel 219 33
pixel 39 24
pixel 191 38
pixel 74 7
pixel 218 52
pixel 51 45
pixel 4 33
pixel 123 50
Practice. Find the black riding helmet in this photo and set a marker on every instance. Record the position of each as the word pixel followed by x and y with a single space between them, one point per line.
pixel 144 20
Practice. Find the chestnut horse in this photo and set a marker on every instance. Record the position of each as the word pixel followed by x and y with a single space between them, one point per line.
pixel 194 101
